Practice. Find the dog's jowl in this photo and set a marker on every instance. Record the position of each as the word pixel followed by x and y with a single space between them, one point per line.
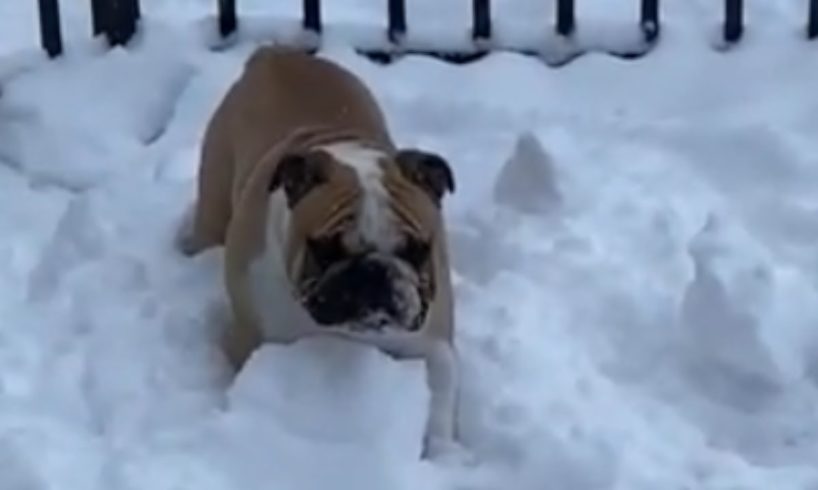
pixel 328 227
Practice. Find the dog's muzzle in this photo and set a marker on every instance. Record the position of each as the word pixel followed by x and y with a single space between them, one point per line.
pixel 366 293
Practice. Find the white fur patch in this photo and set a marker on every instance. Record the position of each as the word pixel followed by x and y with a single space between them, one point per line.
pixel 278 223
pixel 374 223
pixel 281 317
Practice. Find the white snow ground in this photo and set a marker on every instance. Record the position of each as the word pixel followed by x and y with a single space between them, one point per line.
pixel 637 289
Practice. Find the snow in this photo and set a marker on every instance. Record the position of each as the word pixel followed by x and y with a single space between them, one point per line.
pixel 632 244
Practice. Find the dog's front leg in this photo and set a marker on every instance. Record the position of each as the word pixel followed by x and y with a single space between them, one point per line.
pixel 442 378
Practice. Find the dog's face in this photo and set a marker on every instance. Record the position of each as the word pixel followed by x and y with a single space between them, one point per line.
pixel 361 232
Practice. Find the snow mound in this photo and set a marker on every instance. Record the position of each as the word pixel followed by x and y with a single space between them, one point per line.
pixel 55 138
pixel 527 181
pixel 337 392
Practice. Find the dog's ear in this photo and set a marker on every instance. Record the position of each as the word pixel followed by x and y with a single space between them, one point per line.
pixel 298 174
pixel 430 171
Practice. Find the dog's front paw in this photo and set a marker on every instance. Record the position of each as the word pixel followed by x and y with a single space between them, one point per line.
pixel 447 451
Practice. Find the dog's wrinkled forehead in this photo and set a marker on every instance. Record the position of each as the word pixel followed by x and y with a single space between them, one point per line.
pixel 373 225
pixel 362 184
pixel 337 189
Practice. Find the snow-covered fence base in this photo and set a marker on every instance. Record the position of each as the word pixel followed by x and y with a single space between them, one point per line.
pixel 118 20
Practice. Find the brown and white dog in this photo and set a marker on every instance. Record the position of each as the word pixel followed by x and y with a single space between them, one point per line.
pixel 328 227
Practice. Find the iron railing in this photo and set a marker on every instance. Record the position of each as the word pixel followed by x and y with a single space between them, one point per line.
pixel 118 21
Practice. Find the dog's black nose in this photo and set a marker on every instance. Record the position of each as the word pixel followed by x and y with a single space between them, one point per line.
pixel 360 289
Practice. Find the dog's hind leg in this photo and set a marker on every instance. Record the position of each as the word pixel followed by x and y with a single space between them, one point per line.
pixel 239 342
pixel 205 223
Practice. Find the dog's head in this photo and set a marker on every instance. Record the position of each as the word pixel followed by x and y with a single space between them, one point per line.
pixel 362 230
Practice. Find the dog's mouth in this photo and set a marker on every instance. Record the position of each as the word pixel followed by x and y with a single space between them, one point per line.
pixel 322 311
pixel 380 321
pixel 364 295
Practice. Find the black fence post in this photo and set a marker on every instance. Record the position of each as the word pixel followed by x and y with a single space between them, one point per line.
pixel 812 20
pixel 128 17
pixel 650 20
pixel 50 34
pixel 733 20
pixel 122 21
pixel 566 19
pixel 116 19
pixel 481 27
pixel 312 16
pixel 228 22
pixel 396 21
pixel 99 14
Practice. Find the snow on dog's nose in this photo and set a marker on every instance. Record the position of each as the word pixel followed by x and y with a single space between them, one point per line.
pixel 365 293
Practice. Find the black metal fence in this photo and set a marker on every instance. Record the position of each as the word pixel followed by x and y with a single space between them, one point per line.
pixel 118 20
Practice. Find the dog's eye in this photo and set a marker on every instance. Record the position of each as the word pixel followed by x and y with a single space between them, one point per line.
pixel 415 252
pixel 326 250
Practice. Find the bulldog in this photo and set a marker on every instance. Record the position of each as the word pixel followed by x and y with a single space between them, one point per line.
pixel 327 226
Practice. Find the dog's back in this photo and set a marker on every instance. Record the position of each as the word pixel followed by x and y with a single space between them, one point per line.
pixel 279 90
pixel 282 89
